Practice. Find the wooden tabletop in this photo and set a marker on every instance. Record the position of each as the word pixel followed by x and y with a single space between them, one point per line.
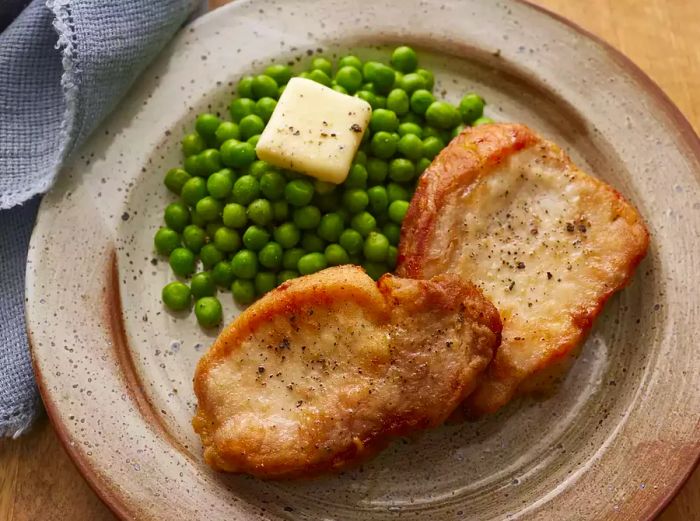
pixel 39 481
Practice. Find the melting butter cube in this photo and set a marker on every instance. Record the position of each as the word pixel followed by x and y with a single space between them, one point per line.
pixel 314 130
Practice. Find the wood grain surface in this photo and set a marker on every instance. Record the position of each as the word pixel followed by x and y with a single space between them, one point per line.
pixel 39 482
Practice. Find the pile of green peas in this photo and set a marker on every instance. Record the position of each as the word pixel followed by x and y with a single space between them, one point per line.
pixel 252 226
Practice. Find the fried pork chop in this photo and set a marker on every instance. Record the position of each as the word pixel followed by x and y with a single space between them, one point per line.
pixel 547 243
pixel 320 373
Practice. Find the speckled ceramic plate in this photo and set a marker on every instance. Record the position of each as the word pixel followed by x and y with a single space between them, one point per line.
pixel 615 442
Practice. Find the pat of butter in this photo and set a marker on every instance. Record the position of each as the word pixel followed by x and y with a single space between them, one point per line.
pixel 314 130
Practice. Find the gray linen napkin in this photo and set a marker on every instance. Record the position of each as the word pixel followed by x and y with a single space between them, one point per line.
pixel 64 65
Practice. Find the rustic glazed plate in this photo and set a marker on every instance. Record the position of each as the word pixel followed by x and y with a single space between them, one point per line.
pixel 615 442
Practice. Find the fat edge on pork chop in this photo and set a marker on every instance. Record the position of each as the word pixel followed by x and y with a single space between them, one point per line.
pixel 546 242
pixel 323 371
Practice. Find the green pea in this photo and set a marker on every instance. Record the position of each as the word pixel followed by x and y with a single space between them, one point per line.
pixel 280 210
pixel 240 108
pixel 234 215
pixel 397 211
pixel 265 281
pixel 245 87
pixel 392 256
pixel 194 190
pixel 227 240
pixel 253 140
pixel 351 241
pixel 251 125
pixel 287 235
pixel 175 179
pixel 209 161
pixel 428 78
pixel 381 75
pixel 357 178
pixel 260 212
pixel 411 146
pixel 404 59
pixel 264 108
pixel 311 242
pixel 270 256
pixel 176 296
pixel 209 208
pixel 336 255
pixel 245 264
pixel 166 240
pixel 192 165
pixel 383 119
pixel 375 269
pixel 364 223
pixel 381 101
pixel 299 192
pixel 422 164
pixel 258 168
pixel 471 107
pixel 255 238
pixel 280 73
pixel 281 90
pixel 243 291
pixel 210 256
pixel 355 200
pixel 307 217
pixel 401 170
pixel 320 76
pixel 222 274
pixel 285 275
pixel 264 86
pixel 383 144
pixel 350 78
pixel 226 130
pixel 397 101
pixel 429 131
pixel 237 154
pixel 378 199
pixel 290 258
pixel 344 214
pixel 330 227
pixel 208 311
pixel 377 170
pixel 442 115
pixel 177 216
pixel 212 227
pixel 376 247
pixel 322 64
pixel 182 262
pixel 350 61
pixel 339 88
pixel 192 144
pixel 392 231
pixel 206 126
pixel 482 121
pixel 194 238
pixel 311 263
pixel 272 185
pixel 432 146
pixel 360 158
pixel 220 184
pixel 202 285
pixel 412 83
pixel 421 99
pixel 396 192
pixel 369 97
pixel 246 189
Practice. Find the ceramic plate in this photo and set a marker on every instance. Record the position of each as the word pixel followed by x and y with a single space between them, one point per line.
pixel 615 442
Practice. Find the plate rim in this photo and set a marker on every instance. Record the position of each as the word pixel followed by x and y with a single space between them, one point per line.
pixel 665 105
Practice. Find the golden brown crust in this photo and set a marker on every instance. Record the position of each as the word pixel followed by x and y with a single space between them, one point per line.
pixel 498 179
pixel 397 356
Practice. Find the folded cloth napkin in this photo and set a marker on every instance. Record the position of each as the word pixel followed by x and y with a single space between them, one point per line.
pixel 64 65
